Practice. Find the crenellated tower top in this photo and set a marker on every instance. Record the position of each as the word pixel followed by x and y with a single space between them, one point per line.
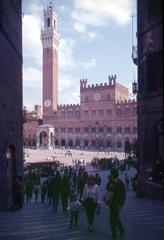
pixel 49 35
pixel 112 79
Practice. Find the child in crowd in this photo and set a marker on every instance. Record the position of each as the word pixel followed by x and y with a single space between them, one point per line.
pixel 74 209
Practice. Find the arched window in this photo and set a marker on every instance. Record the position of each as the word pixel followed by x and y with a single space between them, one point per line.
pixel 48 22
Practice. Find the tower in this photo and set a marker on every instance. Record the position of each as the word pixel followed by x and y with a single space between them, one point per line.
pixel 50 43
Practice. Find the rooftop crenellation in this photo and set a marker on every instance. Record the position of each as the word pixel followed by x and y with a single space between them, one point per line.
pixel 111 82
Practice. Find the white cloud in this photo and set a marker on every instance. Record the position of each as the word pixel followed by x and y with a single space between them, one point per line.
pixel 66 58
pixel 31 38
pixel 98 13
pixel 90 64
pixel 32 77
pixel 92 36
pixel 68 89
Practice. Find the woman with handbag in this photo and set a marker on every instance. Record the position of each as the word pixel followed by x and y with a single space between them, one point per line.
pixel 91 199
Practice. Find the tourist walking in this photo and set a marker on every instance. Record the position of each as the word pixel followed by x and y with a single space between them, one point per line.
pixel 97 179
pixel 56 190
pixel 126 179
pixel 74 209
pixel 116 203
pixel 44 188
pixel 65 191
pixel 28 190
pixel 82 180
pixel 36 190
pixel 91 199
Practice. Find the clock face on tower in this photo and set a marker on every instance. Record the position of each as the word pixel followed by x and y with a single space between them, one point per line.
pixel 47 103
pixel 97 96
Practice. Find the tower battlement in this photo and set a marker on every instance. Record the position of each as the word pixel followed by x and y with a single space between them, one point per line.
pixel 112 79
pixel 111 82
pixel 67 106
pixel 124 102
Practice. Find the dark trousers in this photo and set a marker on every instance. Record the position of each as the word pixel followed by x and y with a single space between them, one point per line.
pixel 74 218
pixel 90 205
pixel 64 199
pixel 55 202
pixel 115 221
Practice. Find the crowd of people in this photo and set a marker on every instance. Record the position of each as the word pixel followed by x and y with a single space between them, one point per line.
pixel 76 189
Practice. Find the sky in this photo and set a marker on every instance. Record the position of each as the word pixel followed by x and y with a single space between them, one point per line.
pixel 95 41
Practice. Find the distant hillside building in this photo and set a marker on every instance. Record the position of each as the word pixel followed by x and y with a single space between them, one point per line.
pixel 11 149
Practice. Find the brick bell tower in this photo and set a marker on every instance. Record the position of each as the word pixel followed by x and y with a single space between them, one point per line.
pixel 50 42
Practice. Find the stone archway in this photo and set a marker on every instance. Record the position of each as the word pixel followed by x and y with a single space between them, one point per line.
pixel 10 174
pixel 63 143
pixel 77 143
pixel 70 143
pixel 86 143
pixel 43 139
pixel 45 136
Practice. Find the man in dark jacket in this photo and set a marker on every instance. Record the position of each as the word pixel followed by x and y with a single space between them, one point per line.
pixel 116 203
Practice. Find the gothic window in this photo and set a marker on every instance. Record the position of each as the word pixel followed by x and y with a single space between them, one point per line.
pixel 109 130
pixel 119 130
pixel 101 112
pixel 109 112
pixel 62 130
pixel 54 24
pixel 118 112
pixel 127 130
pixel 134 111
pixel 93 129
pixel 108 97
pixel 70 114
pixel 93 113
pixel 77 114
pixel 134 129
pixel 70 130
pixel 101 130
pixel 86 114
pixel 86 129
pixel 77 130
pixel 63 114
pixel 127 112
pixel 48 22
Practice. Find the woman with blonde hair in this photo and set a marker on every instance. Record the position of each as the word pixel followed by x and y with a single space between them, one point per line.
pixel 91 199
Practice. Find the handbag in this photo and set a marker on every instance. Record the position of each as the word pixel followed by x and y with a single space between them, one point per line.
pixel 108 197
